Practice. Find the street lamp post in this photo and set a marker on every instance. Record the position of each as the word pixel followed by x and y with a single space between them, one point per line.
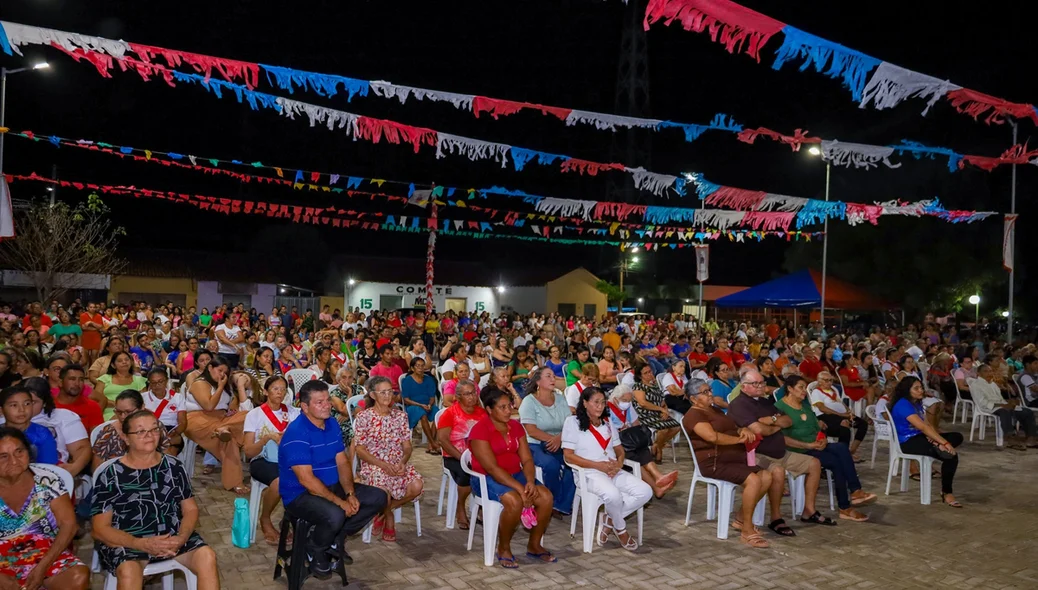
pixel 4 72
pixel 975 300
pixel 815 151
pixel 625 267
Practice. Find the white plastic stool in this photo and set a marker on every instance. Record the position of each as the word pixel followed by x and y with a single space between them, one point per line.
pixel 166 569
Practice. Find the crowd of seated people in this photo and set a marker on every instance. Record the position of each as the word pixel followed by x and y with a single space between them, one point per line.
pixel 119 394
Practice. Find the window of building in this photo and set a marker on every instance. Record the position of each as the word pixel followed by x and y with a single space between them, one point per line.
pixel 590 310
pixel 567 309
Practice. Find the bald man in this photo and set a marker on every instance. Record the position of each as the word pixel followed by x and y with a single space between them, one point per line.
pixel 755 410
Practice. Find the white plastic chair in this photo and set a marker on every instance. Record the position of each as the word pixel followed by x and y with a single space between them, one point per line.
pixel 448 488
pixel 95 564
pixel 398 513
pixel 187 456
pixel 491 512
pixel 165 569
pixel 591 504
pixel 719 500
pixel 59 472
pixel 881 431
pixel 981 418
pixel 897 456
pixel 1020 389
pixel 297 377
pixel 798 493
pixel 967 405
pixel 96 432
pixel 351 406
pixel 255 502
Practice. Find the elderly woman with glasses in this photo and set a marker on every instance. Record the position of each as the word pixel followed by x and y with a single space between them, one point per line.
pixel 144 511
pixel 720 448
pixel 110 444
pixel 383 444
pixel 838 418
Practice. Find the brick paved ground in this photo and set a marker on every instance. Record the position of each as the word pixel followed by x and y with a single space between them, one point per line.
pixel 989 544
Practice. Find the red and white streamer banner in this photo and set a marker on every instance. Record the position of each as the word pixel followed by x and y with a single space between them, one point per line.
pixel 702 262
pixel 1009 241
pixel 430 257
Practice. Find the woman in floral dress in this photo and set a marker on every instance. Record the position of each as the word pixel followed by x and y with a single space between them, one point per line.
pixel 37 523
pixel 383 444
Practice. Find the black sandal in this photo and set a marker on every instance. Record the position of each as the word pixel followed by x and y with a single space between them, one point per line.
pixel 779 527
pixel 817 518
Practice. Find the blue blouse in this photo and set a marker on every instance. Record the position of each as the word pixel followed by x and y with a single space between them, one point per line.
pixel 559 369
pixel 419 392
pixel 902 410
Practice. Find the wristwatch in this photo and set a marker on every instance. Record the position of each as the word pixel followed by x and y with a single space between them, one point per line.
pixel 347 496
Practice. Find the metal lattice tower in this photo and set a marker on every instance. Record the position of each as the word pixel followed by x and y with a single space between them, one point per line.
pixel 632 146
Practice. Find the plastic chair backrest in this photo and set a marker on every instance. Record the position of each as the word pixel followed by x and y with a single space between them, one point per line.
pixel 101 469
pixel 881 424
pixel 400 381
pixel 96 432
pixel 466 466
pixel 297 377
pixel 659 382
pixel 351 405
pixel 973 394
pixel 695 462
pixel 811 387
pixel 700 374
pixel 895 446
pixel 66 478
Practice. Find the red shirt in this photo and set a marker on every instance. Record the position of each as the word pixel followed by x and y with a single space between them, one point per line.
pixel 811 369
pixel 44 321
pixel 394 323
pixel 381 342
pixel 505 449
pixel 700 357
pixel 460 424
pixel 87 410
pixel 855 393
pixel 726 356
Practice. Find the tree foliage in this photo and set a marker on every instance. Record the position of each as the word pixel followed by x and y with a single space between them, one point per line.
pixel 56 244
pixel 921 265
pixel 612 292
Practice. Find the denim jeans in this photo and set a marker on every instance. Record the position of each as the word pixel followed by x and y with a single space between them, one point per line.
pixel 557 476
pixel 836 457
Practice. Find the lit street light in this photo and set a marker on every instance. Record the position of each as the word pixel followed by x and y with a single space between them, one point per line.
pixel 1005 314
pixel 975 301
pixel 816 151
pixel 500 288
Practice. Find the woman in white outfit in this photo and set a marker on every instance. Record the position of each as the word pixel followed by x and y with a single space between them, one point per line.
pixel 590 441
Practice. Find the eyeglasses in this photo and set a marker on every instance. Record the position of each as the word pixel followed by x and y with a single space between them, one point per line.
pixel 278 389
pixel 150 432
pixel 753 383
pixel 159 382
pixel 124 412
pixel 384 392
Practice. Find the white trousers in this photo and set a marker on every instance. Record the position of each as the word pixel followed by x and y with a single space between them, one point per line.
pixel 621 494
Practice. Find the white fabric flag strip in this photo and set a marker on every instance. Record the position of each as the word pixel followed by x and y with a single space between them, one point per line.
pixel 858 155
pixel 891 84
pixel 566 207
pixel 387 90
pixel 19 35
pixel 774 202
pixel 473 149
pixel 653 182
pixel 317 114
pixel 606 122
pixel 908 209
pixel 718 218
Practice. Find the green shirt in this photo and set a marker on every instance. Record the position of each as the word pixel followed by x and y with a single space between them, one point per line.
pixel 805 425
pixel 59 330
pixel 573 365
pixel 205 320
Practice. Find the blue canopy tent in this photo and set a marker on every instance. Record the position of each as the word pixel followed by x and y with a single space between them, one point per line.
pixel 799 290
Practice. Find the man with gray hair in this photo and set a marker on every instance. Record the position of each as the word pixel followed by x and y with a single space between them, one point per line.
pixel 755 410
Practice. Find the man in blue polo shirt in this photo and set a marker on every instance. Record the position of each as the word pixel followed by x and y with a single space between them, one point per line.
pixel 317 478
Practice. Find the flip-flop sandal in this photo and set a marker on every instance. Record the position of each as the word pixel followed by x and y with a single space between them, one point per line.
pixel 241 490
pixel 914 477
pixel 755 540
pixel 953 503
pixel 736 525
pixel 546 557
pixel 377 525
pixel 508 563
pixel 817 518
pixel 779 527
pixel 389 535
pixel 208 470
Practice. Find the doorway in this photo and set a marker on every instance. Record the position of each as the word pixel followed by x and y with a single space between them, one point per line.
pixel 456 304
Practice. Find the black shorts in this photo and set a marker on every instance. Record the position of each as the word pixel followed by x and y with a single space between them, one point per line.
pixel 458 474
pixel 263 471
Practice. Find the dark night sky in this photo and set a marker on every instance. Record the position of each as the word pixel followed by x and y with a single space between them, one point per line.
pixel 555 52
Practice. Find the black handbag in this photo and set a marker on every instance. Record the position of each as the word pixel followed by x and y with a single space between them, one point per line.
pixel 635 438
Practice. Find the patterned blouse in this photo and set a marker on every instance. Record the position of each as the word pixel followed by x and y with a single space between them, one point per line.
pixel 110 445
pixel 36 517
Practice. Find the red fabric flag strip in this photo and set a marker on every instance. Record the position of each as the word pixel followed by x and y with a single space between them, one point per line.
pixel 588 167
pixel 1018 154
pixel 736 198
pixel 768 221
pixel 231 70
pixel 101 61
pixel 502 108
pixel 794 141
pixel 740 28
pixel 374 130
pixel 619 211
pixel 975 104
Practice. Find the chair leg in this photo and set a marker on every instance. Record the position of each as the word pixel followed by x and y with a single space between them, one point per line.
pixel 832 494
pixel 726 500
pixel 491 520
pixel 641 524
pixel 418 518
pixel 905 468
pixel 452 504
pixel 590 519
pixel 711 502
pixel 875 445
pixel 167 581
pixel 574 515
pixel 691 493
pixel 472 522
pixel 443 492
pixel 926 481
pixel 758 512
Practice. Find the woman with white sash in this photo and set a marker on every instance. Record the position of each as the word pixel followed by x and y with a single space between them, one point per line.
pixel 263 429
